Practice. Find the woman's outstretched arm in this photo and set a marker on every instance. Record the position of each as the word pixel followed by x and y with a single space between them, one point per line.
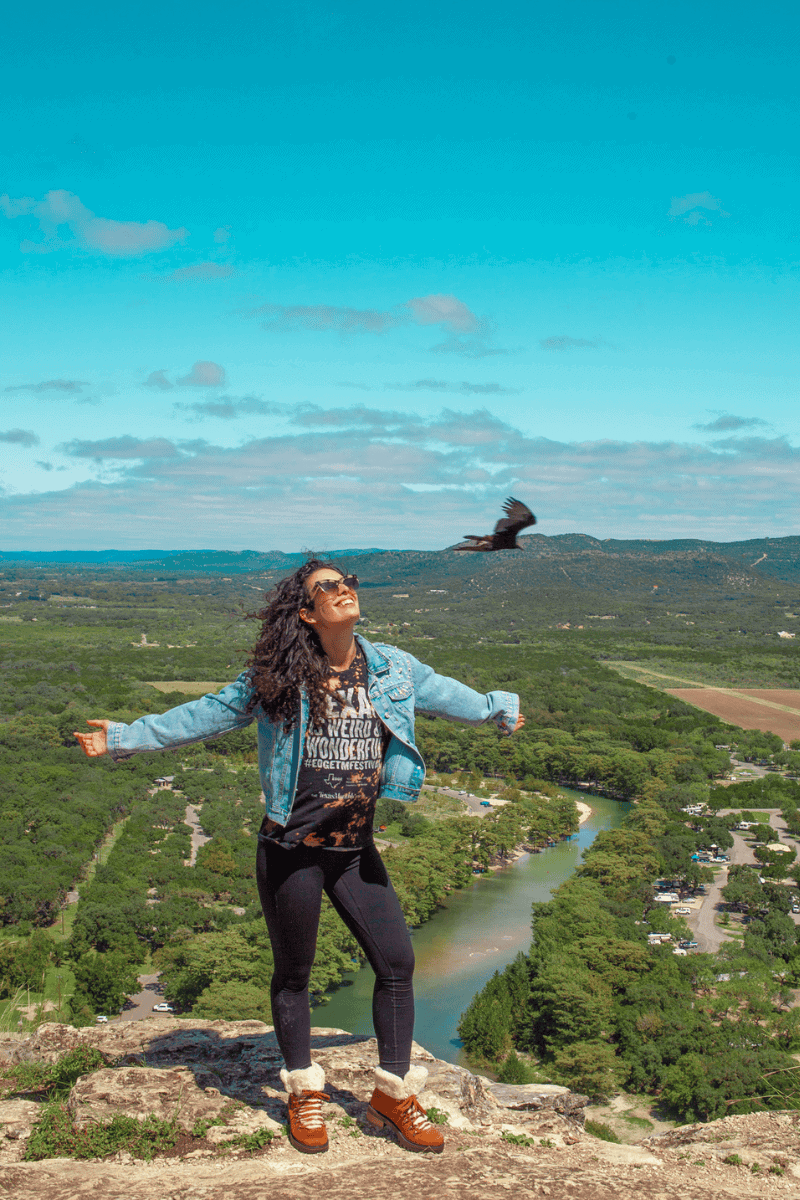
pixel 208 717
pixel 94 744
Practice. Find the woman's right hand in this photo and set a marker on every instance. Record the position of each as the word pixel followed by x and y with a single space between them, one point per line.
pixel 94 744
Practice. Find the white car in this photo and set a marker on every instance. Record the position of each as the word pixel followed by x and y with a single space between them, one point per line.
pixel 101 1020
pixel 683 911
pixel 162 1008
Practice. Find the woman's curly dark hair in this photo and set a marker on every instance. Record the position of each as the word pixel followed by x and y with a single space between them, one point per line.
pixel 288 654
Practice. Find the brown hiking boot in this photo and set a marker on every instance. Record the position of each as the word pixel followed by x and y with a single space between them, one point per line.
pixel 394 1104
pixel 306 1126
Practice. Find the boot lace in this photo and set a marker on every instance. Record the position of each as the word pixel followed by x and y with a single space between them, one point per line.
pixel 308 1107
pixel 414 1114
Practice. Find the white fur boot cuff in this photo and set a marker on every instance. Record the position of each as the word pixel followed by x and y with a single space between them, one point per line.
pixel 400 1089
pixel 309 1079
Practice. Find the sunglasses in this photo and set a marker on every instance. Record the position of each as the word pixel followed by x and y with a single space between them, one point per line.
pixel 333 585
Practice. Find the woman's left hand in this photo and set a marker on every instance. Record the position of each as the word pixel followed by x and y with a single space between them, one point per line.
pixel 519 724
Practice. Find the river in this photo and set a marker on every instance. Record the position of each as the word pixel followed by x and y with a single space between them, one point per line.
pixel 478 931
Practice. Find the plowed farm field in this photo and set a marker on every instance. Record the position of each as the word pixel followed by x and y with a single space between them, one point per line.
pixel 772 710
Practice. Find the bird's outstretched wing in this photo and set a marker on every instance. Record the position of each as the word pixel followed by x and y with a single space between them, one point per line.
pixel 518 516
pixel 475 542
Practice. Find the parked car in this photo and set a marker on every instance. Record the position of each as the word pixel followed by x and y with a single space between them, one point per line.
pixel 162 1008
pixel 689 945
pixel 101 1020
pixel 683 911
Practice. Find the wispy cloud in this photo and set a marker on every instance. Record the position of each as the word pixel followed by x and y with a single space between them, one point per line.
pixel 693 207
pixel 231 407
pixel 563 341
pixel 442 385
pixel 468 334
pixel 50 385
pixel 200 272
pixel 291 318
pixel 19 437
pixel 728 423
pixel 61 210
pixel 120 448
pixel 158 379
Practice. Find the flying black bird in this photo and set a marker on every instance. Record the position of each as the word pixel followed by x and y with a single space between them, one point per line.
pixel 518 517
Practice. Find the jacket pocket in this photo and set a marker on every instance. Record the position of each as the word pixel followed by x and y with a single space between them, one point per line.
pixel 399 691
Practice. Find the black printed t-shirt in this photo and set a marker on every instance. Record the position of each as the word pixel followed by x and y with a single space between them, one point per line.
pixel 340 773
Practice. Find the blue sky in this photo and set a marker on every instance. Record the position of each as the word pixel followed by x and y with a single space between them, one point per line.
pixel 341 277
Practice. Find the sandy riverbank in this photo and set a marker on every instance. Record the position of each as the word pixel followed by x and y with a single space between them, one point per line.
pixel 584 811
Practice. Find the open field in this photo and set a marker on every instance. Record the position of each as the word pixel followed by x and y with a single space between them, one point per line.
pixel 189 687
pixel 749 711
pixel 785 697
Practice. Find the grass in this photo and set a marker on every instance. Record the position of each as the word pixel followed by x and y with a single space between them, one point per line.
pixel 436 1116
pixel 599 1130
pixel 638 1122
pixel 517 1139
pixel 55 1136
pixel 52 1080
pixel 249 1141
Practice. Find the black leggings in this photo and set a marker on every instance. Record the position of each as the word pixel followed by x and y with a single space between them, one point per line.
pixel 290 884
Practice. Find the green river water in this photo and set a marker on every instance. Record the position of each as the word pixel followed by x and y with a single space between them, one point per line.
pixel 478 931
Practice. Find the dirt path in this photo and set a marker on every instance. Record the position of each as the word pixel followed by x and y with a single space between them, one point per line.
pixel 199 838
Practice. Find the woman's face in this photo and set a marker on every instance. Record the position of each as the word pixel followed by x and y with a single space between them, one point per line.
pixel 329 610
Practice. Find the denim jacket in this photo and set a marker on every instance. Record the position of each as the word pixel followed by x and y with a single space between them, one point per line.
pixel 399 685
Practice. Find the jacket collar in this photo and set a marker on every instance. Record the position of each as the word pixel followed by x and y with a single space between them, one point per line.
pixel 377 661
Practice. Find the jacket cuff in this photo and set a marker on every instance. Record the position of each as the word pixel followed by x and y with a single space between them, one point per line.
pixel 114 739
pixel 508 715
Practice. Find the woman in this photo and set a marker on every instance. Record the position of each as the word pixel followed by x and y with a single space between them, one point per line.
pixel 335 720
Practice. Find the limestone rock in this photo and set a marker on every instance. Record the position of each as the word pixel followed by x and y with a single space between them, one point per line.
pixel 17 1118
pixel 169 1094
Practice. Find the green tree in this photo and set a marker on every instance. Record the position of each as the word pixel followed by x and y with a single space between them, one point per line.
pixel 588 1067
pixel 103 981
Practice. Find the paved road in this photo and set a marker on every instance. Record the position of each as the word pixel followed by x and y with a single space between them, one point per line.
pixel 141 1005
pixel 472 803
pixel 708 935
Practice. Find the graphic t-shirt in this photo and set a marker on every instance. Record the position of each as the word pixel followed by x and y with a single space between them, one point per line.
pixel 340 773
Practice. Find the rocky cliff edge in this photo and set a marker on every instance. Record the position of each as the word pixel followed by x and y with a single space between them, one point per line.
pixel 525 1141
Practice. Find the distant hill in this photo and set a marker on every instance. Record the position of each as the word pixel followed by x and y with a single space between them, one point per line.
pixel 606 566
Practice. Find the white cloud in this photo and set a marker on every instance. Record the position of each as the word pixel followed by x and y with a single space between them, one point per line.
pixel 204 374
pixel 222 235
pixel 689 207
pixel 403 480
pixel 60 210
pixel 447 311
